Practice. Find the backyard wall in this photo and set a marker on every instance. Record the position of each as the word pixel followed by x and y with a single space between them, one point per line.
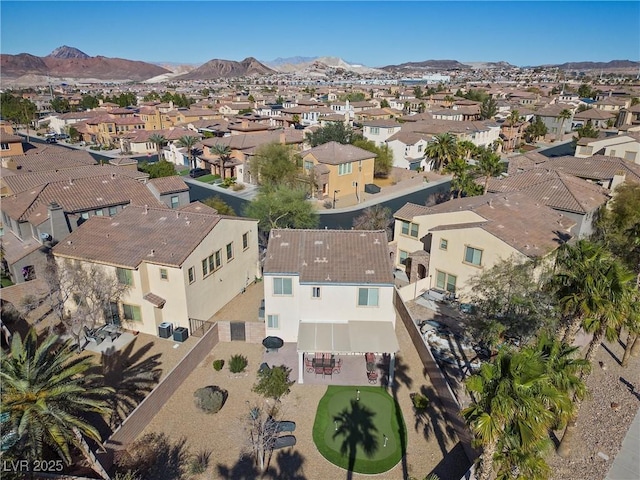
pixel 254 331
pixel 137 421
pixel 439 382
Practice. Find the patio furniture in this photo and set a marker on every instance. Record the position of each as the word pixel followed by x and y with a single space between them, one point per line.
pixel 328 371
pixel 264 366
pixel 319 371
pixel 280 426
pixel 308 364
pixel 284 441
pixel 93 336
pixel 272 344
pixel 372 377
pixel 370 357
pixel 109 330
pixel 337 366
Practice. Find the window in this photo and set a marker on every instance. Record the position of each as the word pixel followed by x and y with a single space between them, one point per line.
pixel 4 146
pixel 125 277
pixel 446 281
pixel 205 268
pixel 409 228
pixel 217 257
pixel 212 266
pixel 98 213
pixel 192 274
pixel 164 274
pixel 131 313
pixel 444 244
pixel 375 130
pixel 627 155
pixel 175 203
pixel 229 251
pixel 402 257
pixel 345 168
pixel 612 153
pixel 315 292
pixel 282 286
pixel 473 256
pixel 367 297
pixel 273 321
pixel 245 241
pixel 85 215
pixel 419 148
pixel 308 165
pixel 113 211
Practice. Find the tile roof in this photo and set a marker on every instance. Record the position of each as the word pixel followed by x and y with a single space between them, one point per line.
pixel 171 184
pixel 10 137
pixel 554 189
pixel 245 141
pixel 596 167
pixel 529 227
pixel 334 153
pixel 330 256
pixel 161 236
pixel 50 157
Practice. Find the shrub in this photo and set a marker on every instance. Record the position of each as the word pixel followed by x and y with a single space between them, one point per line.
pixel 238 363
pixel 199 462
pixel 420 402
pixel 218 364
pixel 327 204
pixel 210 399
pixel 237 187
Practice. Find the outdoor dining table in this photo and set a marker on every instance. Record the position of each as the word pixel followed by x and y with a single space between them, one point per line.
pixel 323 362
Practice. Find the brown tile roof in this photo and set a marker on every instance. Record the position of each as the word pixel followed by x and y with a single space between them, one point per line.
pixel 596 167
pixel 198 207
pixel 527 160
pixel 15 249
pixel 594 114
pixel 10 137
pixel 529 227
pixel 330 256
pixel 334 153
pixel 246 141
pixel 385 123
pixel 171 184
pixel 51 157
pixel 161 236
pixel 155 300
pixel 553 189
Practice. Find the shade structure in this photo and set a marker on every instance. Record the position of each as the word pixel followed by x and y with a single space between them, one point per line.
pixel 347 338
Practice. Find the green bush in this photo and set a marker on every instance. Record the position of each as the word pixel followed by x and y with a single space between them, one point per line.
pixel 199 462
pixel 218 364
pixel 238 363
pixel 420 402
pixel 210 399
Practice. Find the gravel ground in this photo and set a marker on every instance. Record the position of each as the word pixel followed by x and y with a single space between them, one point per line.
pixel 601 428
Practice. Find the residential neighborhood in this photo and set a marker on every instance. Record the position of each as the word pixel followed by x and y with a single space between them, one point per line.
pixel 312 268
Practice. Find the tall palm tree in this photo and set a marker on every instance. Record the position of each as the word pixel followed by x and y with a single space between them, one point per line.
pixel 189 142
pixel 460 170
pixel 564 115
pixel 224 154
pixel 357 427
pixel 512 120
pixel 442 150
pixel 159 141
pixel 489 165
pixel 46 391
pixel 467 149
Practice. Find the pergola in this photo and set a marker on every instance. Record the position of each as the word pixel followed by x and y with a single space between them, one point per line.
pixel 351 338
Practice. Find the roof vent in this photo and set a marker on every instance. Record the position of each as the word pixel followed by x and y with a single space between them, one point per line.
pixel 69 242
pixel 177 214
pixel 328 279
pixel 370 272
pixel 71 181
pixel 284 244
pixel 188 222
pixel 318 242
pixel 152 253
pixel 113 175
pixel 376 241
pixel 304 263
pixel 146 209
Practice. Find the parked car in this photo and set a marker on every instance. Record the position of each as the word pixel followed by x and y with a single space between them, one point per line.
pixel 198 172
pixel 62 136
pixel 51 140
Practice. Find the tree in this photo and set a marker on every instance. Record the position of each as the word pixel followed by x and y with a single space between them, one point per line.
pixel 587 130
pixel 251 98
pixel 158 169
pixel 261 435
pixel 585 91
pixel 467 149
pixel 375 218
pixel 333 132
pixel 281 207
pixel 46 392
pixel 417 92
pixel 489 165
pixel 74 135
pixel 224 155
pixel 89 102
pixel 383 162
pixel 442 150
pixel 273 382
pixel 535 130
pixel 219 205
pixel 275 164
pixel 60 105
pixel 512 120
pixel 355 426
pixel 189 141
pixel 564 115
pixel 158 141
pixel 488 109
pixel 462 182
pixel 384 103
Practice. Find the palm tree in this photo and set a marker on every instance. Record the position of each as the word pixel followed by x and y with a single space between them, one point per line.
pixel 189 142
pixel 512 120
pixel 159 141
pixel 467 149
pixel 357 427
pixel 224 154
pixel 46 391
pixel 489 165
pixel 512 410
pixel 460 170
pixel 442 150
pixel 564 115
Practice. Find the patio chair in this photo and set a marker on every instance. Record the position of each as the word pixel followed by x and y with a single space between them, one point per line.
pixel 328 371
pixel 284 441
pixel 319 371
pixel 338 366
pixel 372 377
pixel 93 336
pixel 308 364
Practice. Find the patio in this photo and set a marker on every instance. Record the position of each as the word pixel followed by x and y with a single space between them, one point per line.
pixel 353 368
pixel 108 346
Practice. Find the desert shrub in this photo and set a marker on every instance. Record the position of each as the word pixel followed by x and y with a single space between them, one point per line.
pixel 218 364
pixel 153 456
pixel 237 363
pixel 237 187
pixel 199 462
pixel 420 402
pixel 210 399
pixel 327 204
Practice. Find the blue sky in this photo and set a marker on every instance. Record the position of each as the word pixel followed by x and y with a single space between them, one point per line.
pixel 373 33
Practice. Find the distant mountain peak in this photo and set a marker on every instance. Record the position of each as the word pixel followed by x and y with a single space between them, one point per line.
pixel 67 52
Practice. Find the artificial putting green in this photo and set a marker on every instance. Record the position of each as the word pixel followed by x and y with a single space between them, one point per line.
pixel 375 407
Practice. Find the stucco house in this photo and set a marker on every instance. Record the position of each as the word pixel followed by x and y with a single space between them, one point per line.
pixel 181 266
pixel 444 246
pixel 621 146
pixel 330 291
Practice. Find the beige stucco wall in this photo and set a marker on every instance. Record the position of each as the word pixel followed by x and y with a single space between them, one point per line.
pixel 361 172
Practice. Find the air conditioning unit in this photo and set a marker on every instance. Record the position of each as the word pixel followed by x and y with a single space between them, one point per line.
pixel 165 330
pixel 45 236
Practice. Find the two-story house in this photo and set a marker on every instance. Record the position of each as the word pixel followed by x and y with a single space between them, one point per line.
pixel 10 144
pixel 379 131
pixel 444 246
pixel 330 291
pixel 180 266
pixel 341 171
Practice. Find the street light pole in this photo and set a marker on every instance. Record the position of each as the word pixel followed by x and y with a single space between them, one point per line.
pixel 334 197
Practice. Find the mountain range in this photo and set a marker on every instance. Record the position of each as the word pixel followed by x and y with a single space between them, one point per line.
pixel 71 64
